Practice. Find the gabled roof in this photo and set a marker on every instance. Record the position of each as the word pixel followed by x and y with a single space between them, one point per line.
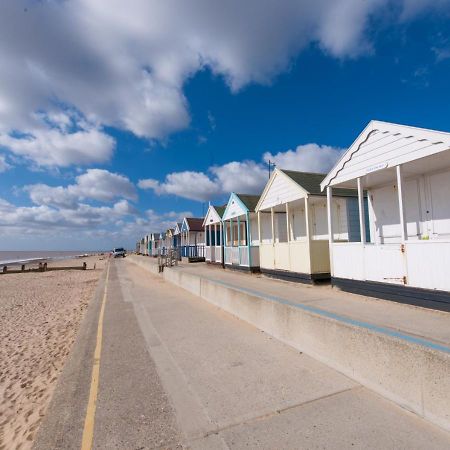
pixel 250 201
pixel 177 228
pixel 220 209
pixel 239 204
pixel 194 223
pixel 383 145
pixel 311 183
pixel 214 213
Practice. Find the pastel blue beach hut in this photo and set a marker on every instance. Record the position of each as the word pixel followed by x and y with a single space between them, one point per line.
pixel 240 225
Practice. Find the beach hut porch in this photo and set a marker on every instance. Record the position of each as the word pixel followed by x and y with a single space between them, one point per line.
pixel 409 216
pixel 214 243
pixel 294 238
pixel 240 250
pixel 192 239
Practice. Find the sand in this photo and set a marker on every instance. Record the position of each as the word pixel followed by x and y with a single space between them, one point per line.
pixel 40 314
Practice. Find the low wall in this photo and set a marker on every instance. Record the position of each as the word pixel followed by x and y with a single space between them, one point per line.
pixel 412 372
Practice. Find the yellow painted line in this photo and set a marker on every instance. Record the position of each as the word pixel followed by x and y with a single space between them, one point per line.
pixel 88 431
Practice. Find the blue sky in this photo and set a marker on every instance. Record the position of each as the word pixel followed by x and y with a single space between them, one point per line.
pixel 110 132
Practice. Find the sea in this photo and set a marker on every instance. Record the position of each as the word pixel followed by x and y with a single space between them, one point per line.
pixel 24 257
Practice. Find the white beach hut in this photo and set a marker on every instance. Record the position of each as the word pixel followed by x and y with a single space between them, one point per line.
pixel 240 227
pixel 170 233
pixel 214 234
pixel 156 243
pixel 292 223
pixel 142 246
pixel 406 172
pixel 193 239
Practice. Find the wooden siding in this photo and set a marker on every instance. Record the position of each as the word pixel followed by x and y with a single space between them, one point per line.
pixel 211 217
pixel 382 145
pixel 281 190
pixel 234 208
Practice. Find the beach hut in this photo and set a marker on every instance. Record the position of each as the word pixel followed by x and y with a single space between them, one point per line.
pixel 177 235
pixel 151 244
pixel 142 246
pixel 155 243
pixel 193 239
pixel 292 224
pixel 214 235
pixel 240 227
pixel 170 233
pixel 162 243
pixel 406 172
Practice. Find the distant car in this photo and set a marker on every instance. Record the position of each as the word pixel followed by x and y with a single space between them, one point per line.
pixel 119 252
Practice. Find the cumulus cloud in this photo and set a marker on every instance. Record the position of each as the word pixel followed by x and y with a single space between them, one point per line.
pixel 245 177
pixel 60 140
pixel 94 184
pixel 86 227
pixel 187 184
pixel 306 158
pixel 124 64
pixel 103 185
pixel 31 218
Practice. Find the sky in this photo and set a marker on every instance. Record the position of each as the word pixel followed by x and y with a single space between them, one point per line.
pixel 118 119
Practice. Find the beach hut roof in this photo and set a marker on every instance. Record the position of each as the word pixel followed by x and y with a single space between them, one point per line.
pixel 220 209
pixel 250 201
pixel 194 223
pixel 384 145
pixel 214 214
pixel 310 182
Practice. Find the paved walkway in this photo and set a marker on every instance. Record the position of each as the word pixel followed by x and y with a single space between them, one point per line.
pixel 418 322
pixel 177 371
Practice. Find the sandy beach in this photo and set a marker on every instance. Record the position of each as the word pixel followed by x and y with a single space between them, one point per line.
pixel 40 314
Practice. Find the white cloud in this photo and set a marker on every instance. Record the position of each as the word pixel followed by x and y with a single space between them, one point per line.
pixel 30 218
pixel 103 185
pixel 245 177
pixel 148 183
pixel 306 158
pixel 187 184
pixel 94 184
pixel 83 228
pixel 4 166
pixel 51 142
pixel 124 64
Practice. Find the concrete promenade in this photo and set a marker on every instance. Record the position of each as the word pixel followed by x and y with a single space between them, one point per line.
pixel 417 322
pixel 399 351
pixel 176 371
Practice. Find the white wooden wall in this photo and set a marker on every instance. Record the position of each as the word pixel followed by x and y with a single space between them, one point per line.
pixel 427 209
pixel 281 191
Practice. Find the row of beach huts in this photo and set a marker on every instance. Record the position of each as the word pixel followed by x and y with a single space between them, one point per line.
pixel 377 224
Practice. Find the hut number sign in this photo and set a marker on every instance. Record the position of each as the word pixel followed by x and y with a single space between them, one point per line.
pixel 376 167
